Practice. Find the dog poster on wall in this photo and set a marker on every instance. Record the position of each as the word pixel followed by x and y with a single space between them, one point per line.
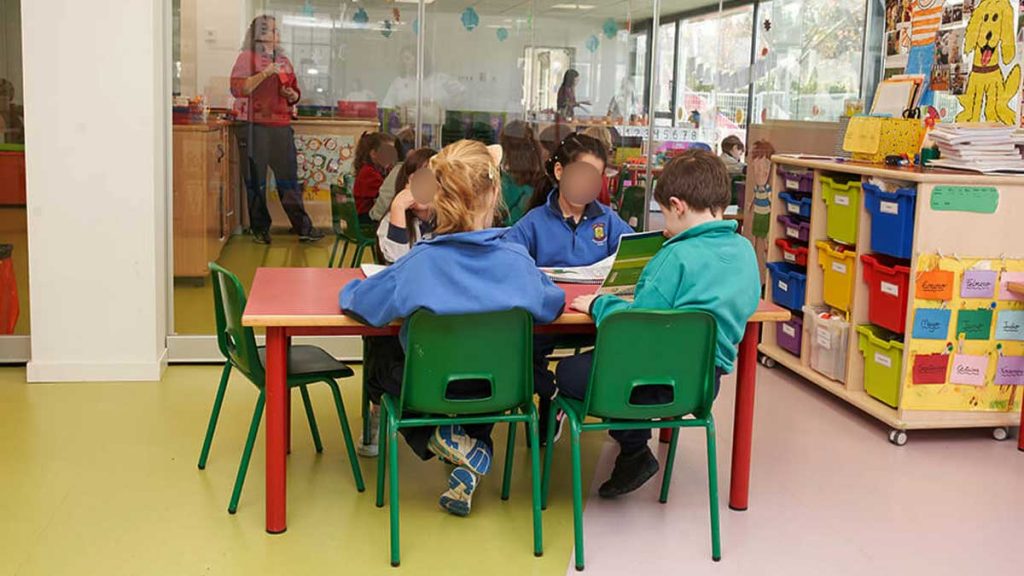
pixel 991 92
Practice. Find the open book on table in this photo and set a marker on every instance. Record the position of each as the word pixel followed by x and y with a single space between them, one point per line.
pixel 635 251
pixel 593 274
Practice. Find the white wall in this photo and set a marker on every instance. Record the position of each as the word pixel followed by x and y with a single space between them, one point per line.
pixel 96 75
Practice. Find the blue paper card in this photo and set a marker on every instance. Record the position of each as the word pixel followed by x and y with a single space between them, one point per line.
pixel 1010 325
pixel 931 324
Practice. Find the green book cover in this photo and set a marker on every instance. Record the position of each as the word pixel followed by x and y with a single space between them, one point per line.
pixel 635 251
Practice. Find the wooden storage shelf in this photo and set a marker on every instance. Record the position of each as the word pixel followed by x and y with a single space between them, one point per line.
pixel 935 232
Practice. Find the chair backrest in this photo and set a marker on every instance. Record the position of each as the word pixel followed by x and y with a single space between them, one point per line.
pixel 344 215
pixel 632 209
pixel 236 342
pixel 666 348
pixel 492 350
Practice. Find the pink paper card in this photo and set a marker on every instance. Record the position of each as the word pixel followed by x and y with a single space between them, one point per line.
pixel 1010 371
pixel 969 370
pixel 1004 293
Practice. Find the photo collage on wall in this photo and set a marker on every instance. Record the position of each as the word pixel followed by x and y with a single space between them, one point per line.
pixel 897 35
pixel 949 71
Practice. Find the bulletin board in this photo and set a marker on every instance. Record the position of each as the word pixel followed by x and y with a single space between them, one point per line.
pixel 965 349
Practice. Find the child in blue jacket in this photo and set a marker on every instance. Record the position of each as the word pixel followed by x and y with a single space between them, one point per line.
pixel 466 268
pixel 704 265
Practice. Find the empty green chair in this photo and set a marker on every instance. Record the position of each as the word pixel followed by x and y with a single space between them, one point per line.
pixel 494 348
pixel 632 207
pixel 306 365
pixel 636 349
pixel 348 229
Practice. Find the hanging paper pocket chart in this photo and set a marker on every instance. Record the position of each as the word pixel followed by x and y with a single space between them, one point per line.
pixel 969 370
pixel 934 285
pixel 930 368
pixel 931 323
pixel 1010 325
pixel 974 324
pixel 1004 291
pixel 978 284
pixel 1010 371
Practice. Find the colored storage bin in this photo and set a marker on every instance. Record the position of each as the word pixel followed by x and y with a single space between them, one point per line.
pixel 796 205
pixel 839 266
pixel 888 283
pixel 892 219
pixel 797 181
pixel 792 252
pixel 883 358
pixel 795 228
pixel 843 208
pixel 829 335
pixel 790 334
pixel 789 285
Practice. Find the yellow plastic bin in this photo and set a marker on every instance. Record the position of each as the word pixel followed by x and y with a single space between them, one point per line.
pixel 883 362
pixel 842 199
pixel 840 272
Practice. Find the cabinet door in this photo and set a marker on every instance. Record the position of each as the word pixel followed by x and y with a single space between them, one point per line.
pixel 216 160
pixel 231 184
pixel 190 193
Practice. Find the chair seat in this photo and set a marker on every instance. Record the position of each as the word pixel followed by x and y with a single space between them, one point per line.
pixel 311 361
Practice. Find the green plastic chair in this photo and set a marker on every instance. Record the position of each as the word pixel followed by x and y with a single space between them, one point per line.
pixel 665 348
pixel 496 348
pixel 633 206
pixel 348 229
pixel 306 365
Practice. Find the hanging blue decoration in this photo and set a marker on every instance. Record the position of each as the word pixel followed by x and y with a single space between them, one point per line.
pixel 360 17
pixel 593 43
pixel 416 26
pixel 611 28
pixel 307 8
pixel 470 19
pixel 387 29
pixel 502 34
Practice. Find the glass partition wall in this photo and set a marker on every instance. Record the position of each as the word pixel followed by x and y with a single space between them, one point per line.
pixel 273 96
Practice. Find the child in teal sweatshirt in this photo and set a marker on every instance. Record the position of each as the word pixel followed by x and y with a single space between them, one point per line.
pixel 704 265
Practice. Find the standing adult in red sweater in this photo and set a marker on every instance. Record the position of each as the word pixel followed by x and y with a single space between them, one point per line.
pixel 265 89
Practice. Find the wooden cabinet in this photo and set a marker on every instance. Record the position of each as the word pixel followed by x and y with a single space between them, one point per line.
pixel 205 197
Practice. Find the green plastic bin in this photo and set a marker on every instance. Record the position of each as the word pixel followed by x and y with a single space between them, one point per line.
pixel 842 199
pixel 883 362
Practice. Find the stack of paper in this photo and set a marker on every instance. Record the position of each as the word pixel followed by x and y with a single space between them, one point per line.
pixel 593 274
pixel 978 147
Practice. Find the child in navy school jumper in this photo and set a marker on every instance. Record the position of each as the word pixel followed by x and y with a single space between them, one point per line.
pixel 466 268
pixel 704 265
pixel 567 227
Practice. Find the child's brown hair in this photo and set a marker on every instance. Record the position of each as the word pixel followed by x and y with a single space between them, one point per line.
pixel 467 177
pixel 696 177
pixel 369 142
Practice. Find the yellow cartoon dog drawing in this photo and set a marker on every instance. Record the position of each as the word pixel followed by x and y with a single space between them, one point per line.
pixel 988 94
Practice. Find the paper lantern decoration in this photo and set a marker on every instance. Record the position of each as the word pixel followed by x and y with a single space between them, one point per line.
pixel 307 8
pixel 416 26
pixel 387 29
pixel 593 43
pixel 610 28
pixel 360 17
pixel 502 34
pixel 470 19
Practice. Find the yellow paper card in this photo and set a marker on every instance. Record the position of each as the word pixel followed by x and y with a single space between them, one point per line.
pixel 863 134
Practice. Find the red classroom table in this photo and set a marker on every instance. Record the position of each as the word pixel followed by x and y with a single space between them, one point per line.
pixel 304 302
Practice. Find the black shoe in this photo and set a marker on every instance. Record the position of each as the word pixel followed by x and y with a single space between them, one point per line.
pixel 311 235
pixel 262 237
pixel 631 471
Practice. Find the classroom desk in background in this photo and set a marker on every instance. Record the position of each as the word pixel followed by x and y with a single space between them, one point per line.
pixel 304 302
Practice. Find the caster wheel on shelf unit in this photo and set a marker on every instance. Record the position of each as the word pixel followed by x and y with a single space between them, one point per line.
pixel 1001 433
pixel 767 362
pixel 898 437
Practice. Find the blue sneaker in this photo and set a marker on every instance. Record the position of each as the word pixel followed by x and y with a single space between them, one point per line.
pixel 454 446
pixel 458 499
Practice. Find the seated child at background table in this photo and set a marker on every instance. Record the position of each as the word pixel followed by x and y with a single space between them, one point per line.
pixel 567 226
pixel 407 220
pixel 374 156
pixel 466 268
pixel 704 265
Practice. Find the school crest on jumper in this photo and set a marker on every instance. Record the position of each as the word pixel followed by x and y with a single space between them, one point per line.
pixel 599 236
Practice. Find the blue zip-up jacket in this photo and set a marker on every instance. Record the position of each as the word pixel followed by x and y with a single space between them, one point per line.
pixel 554 240
pixel 464 273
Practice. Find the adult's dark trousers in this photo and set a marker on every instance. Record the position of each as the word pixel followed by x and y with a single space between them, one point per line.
pixel 273 147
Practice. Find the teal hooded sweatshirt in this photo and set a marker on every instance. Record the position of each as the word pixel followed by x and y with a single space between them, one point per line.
pixel 708 267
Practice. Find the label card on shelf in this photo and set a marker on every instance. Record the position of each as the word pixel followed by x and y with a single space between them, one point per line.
pixel 974 324
pixel 890 288
pixel 883 360
pixel 783 286
pixel 934 285
pixel 1004 292
pixel 889 208
pixel 978 284
pixel 1010 325
pixel 842 200
pixel 930 368
pixel 824 338
pixel 839 268
pixel 931 324
pixel 978 199
pixel 969 370
pixel 1010 371
pixel 789 330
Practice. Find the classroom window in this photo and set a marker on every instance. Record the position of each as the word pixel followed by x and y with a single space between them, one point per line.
pixel 14 317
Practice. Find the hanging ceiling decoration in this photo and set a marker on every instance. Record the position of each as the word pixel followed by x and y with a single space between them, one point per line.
pixel 470 19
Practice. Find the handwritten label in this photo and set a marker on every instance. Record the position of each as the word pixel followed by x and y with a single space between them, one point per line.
pixel 842 200
pixel 789 257
pixel 839 267
pixel 793 208
pixel 978 284
pixel 889 208
pixel 789 330
pixel 930 368
pixel 890 289
pixel 931 324
pixel 793 232
pixel 974 324
pixel 824 337
pixel 783 286
pixel 1010 325
pixel 969 370
pixel 935 285
pixel 977 199
pixel 883 360
pixel 1004 292
pixel 792 184
pixel 1010 371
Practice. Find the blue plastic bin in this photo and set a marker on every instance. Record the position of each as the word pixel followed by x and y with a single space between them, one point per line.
pixel 892 219
pixel 796 205
pixel 789 285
